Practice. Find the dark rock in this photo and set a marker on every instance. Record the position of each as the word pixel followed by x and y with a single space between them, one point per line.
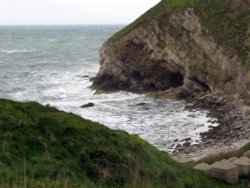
pixel 141 104
pixel 88 105
pixel 186 144
pixel 178 146
pixel 85 76
pixel 186 139
pixel 183 94
pixel 91 79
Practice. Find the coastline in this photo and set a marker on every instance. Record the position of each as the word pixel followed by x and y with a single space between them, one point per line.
pixel 232 113
pixel 232 133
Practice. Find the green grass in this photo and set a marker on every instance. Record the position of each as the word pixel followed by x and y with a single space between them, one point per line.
pixel 226 23
pixel 43 147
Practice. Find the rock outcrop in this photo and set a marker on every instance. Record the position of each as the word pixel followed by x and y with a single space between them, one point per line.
pixel 178 52
pixel 177 48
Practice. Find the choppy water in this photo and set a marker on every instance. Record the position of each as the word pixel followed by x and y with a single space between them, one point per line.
pixel 53 64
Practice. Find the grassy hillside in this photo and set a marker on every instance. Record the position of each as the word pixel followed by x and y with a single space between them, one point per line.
pixel 226 22
pixel 43 147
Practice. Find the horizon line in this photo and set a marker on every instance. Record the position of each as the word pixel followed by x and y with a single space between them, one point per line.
pixel 96 24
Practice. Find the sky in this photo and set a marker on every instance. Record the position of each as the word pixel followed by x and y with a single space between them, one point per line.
pixel 51 12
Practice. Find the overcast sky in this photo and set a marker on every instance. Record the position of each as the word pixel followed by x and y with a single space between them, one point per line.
pixel 13 12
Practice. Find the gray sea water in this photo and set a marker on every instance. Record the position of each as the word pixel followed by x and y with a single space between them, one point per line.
pixel 53 65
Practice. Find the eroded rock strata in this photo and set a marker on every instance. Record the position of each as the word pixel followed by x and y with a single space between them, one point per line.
pixel 159 56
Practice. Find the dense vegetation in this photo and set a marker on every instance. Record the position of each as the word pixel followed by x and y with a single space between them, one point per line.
pixel 227 23
pixel 43 147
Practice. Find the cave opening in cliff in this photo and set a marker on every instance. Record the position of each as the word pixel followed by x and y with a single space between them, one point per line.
pixel 163 79
pixel 175 79
pixel 163 76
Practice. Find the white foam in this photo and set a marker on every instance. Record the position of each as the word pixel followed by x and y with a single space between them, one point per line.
pixel 52 40
pixel 158 122
pixel 16 51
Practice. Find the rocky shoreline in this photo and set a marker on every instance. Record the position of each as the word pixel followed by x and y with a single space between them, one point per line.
pixel 233 115
pixel 231 111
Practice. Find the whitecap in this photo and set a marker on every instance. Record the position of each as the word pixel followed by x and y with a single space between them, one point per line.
pixel 52 40
pixel 16 51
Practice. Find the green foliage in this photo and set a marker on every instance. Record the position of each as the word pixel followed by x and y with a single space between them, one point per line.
pixel 227 23
pixel 43 147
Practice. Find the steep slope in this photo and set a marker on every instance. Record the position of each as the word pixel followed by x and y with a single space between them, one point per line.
pixel 197 46
pixel 44 147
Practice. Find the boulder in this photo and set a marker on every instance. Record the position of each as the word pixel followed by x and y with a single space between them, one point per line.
pixel 88 105
pixel 141 104
pixel 203 168
pixel 232 159
pixel 245 159
pixel 242 158
pixel 226 171
pixel 247 154
pixel 85 76
pixel 185 161
pixel 243 166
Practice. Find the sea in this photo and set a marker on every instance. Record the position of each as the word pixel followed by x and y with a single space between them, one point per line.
pixel 54 65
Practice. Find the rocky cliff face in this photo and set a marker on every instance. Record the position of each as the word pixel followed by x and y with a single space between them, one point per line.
pixel 182 53
pixel 176 51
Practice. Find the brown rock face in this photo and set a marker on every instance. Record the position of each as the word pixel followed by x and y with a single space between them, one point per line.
pixel 176 52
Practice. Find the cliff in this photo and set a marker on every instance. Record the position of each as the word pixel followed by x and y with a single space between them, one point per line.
pixel 196 47
pixel 197 50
